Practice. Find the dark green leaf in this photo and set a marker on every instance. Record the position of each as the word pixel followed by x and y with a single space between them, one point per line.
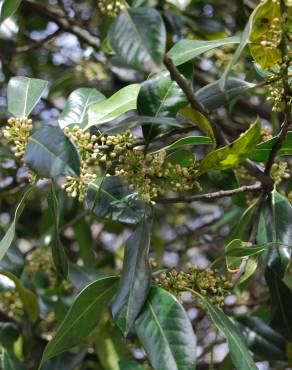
pixel 76 108
pixel 9 333
pixel 8 361
pixel 118 104
pixel 82 317
pixel 262 339
pixel 166 333
pixel 263 150
pixel 233 154
pixel 50 153
pixel 240 356
pixel 138 37
pixel 183 157
pixel 275 226
pixel 213 98
pixel 111 198
pixel 130 365
pixel 7 8
pixel 9 235
pixel 58 253
pixel 135 278
pixel 159 96
pixel 23 94
pixel 188 140
pixel 185 50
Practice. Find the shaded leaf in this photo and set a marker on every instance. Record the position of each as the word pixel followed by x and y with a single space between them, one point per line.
pixel 50 153
pixel 166 333
pixel 7 239
pixel 233 154
pixel 111 198
pixel 113 107
pixel 58 253
pixel 240 356
pixel 29 299
pixel 138 37
pixel 183 157
pixel 135 278
pixel 76 108
pixel 262 339
pixel 188 140
pixel 82 317
pixel 185 50
pixel 23 94
pixel 213 98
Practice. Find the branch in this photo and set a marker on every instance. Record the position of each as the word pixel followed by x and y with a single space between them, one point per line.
pixel 218 194
pixel 194 102
pixel 66 24
pixel 37 43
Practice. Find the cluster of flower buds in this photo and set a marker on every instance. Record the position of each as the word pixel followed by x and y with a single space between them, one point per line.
pixel 266 133
pixel 11 304
pixel 112 8
pixel 272 38
pixel 151 174
pixel 205 283
pixel 17 132
pixel 280 171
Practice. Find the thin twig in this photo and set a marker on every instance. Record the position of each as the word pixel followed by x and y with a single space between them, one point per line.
pixel 218 194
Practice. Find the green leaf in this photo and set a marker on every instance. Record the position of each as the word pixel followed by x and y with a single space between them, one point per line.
pixel 8 361
pixel 262 339
pixel 118 104
pixel 275 226
pixel 263 150
pixel 7 239
pixel 77 105
pixel 265 56
pixel 199 120
pixel 50 153
pixel 166 332
pixel 135 278
pixel 82 317
pixel 138 37
pixel 130 365
pixel 233 154
pixel 23 94
pixel 188 140
pixel 185 50
pixel 240 356
pixel 82 232
pixel 243 42
pixel 213 98
pixel 159 96
pixel 58 253
pixel 183 157
pixel 7 8
pixel 29 299
pixel 111 198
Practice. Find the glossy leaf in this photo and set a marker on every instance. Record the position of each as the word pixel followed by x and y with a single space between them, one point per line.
pixel 213 98
pixel 243 42
pixel 135 278
pixel 29 299
pixel 185 50
pixel 7 239
pixel 183 157
pixel 199 120
pixel 138 37
pixel 7 8
pixel 159 96
pixel 50 153
pixel 76 108
pixel 265 56
pixel 275 226
pixel 8 361
pixel 262 339
pixel 240 356
pixel 111 198
pixel 233 154
pixel 263 150
pixel 58 253
pixel 113 107
pixel 82 317
pixel 188 140
pixel 23 94
pixel 166 333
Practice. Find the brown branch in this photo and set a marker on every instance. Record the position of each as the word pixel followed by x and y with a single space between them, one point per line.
pixel 194 102
pixel 218 194
pixel 66 24
pixel 37 43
